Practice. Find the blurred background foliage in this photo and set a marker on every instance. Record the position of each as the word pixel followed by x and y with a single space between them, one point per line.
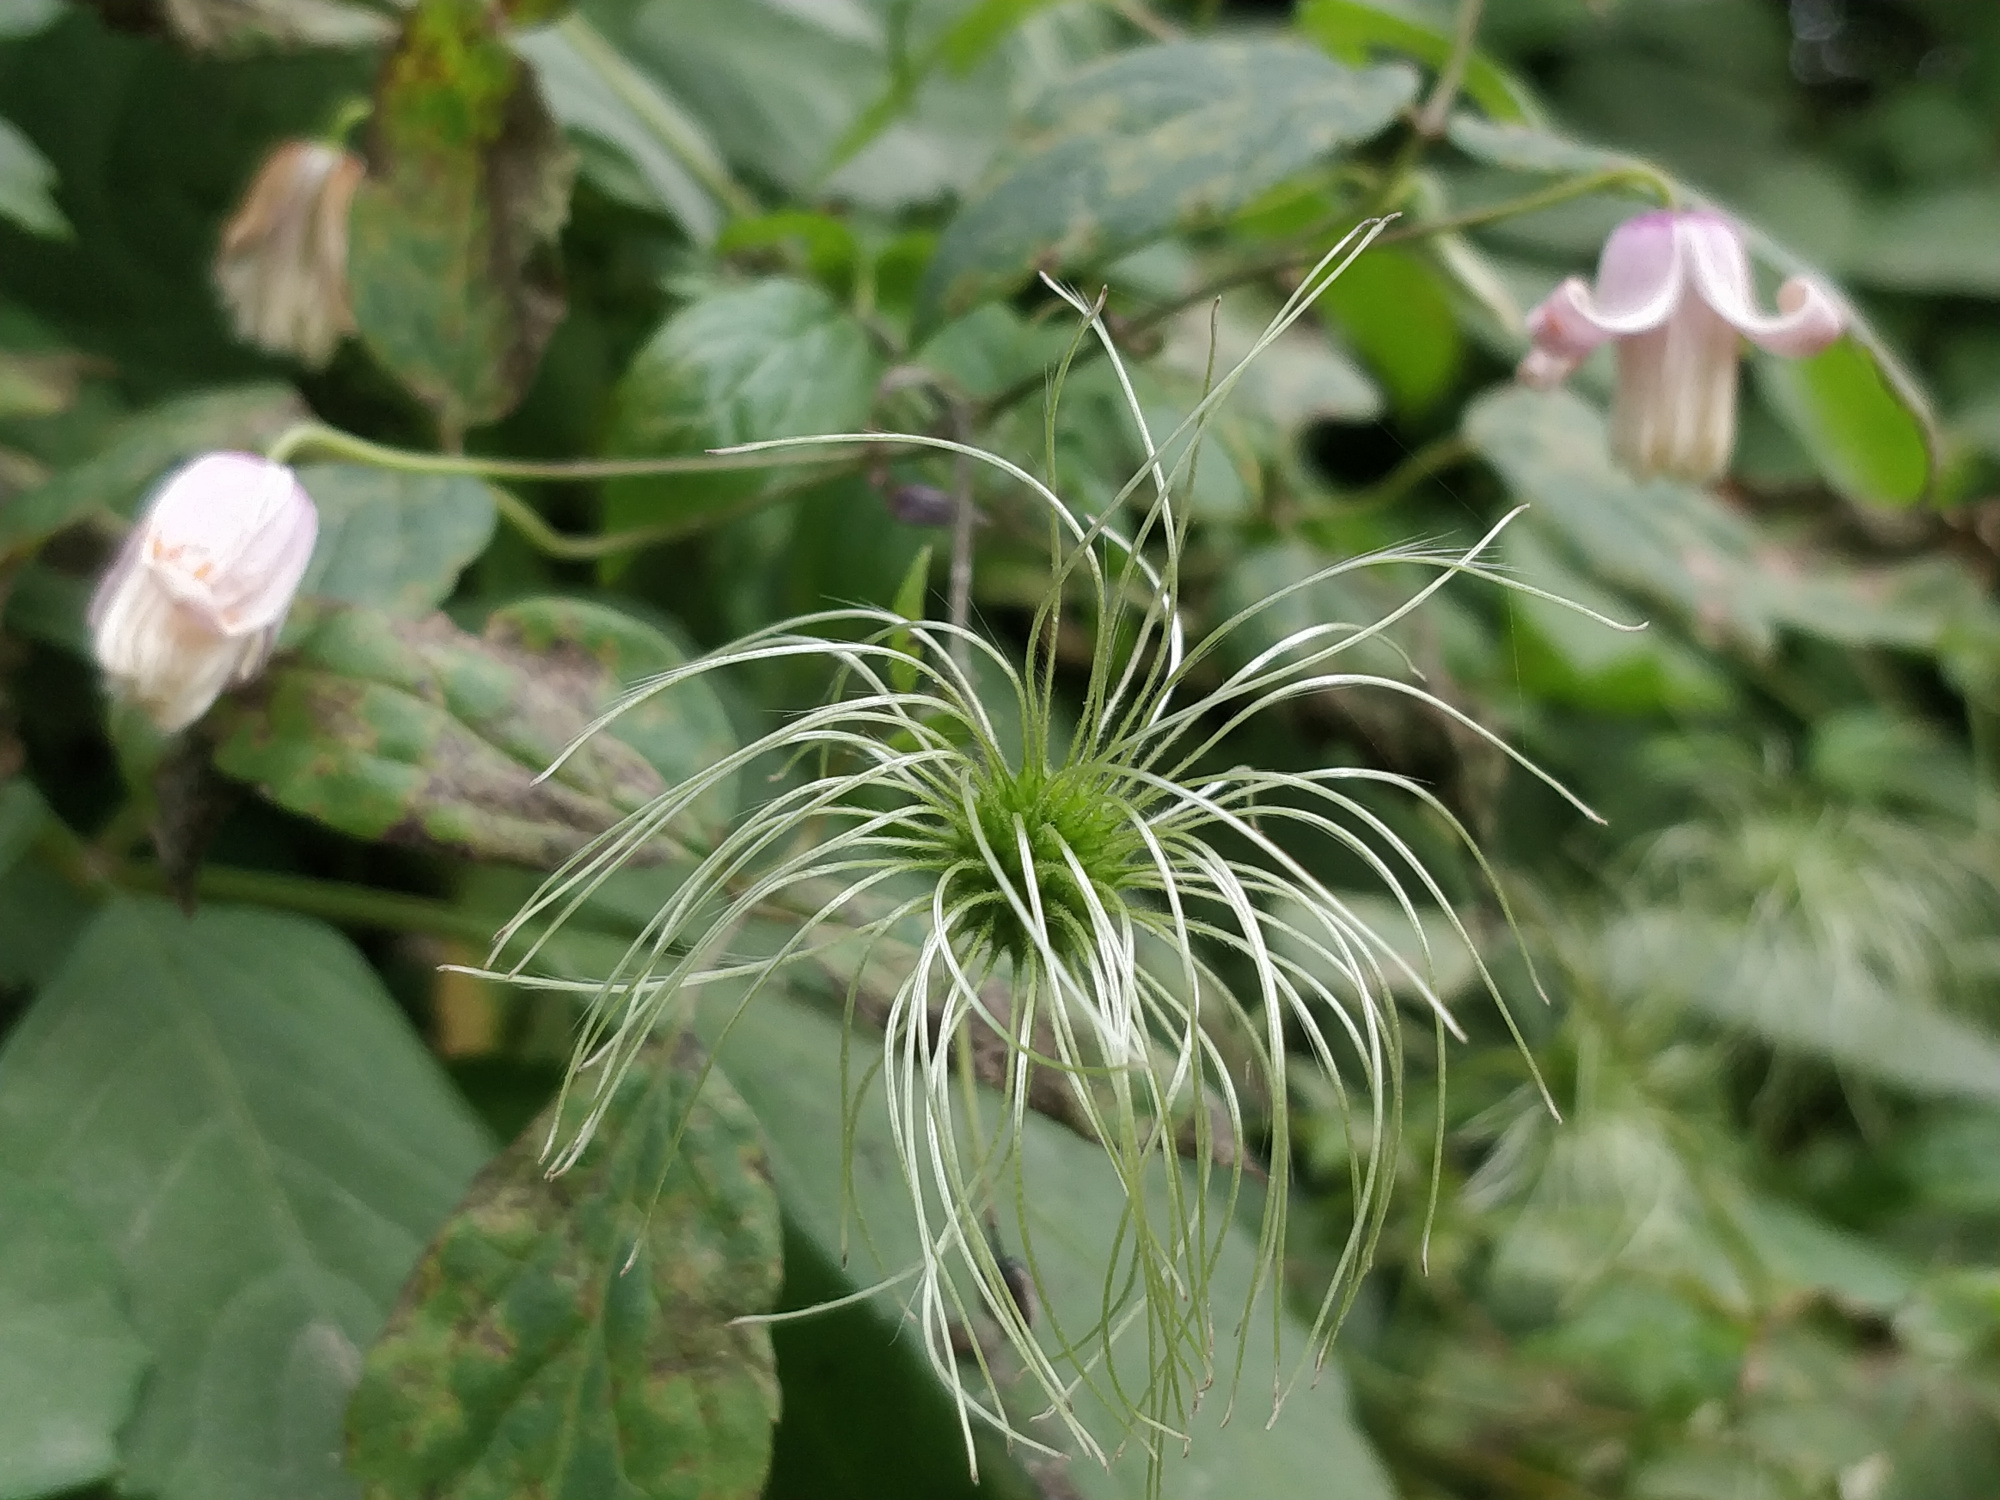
pixel 1756 1256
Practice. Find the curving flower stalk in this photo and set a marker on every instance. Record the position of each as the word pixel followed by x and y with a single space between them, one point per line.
pixel 1101 882
pixel 196 595
pixel 1674 294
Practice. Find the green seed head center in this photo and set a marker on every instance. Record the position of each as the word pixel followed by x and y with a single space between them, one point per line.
pixel 1072 813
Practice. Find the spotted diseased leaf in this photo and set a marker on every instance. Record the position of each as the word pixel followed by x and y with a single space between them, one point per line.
pixel 570 1336
pixel 1153 140
pixel 415 732
pixel 452 264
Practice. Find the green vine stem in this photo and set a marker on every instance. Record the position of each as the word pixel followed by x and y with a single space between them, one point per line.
pixel 317 438
pixel 1633 177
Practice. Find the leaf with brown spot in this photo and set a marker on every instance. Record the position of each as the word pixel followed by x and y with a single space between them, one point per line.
pixel 415 732
pixel 571 1337
pixel 452 261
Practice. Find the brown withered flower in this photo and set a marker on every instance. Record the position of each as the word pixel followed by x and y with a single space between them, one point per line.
pixel 282 265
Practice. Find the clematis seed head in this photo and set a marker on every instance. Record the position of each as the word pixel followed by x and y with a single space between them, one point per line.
pixel 1674 294
pixel 282 265
pixel 195 598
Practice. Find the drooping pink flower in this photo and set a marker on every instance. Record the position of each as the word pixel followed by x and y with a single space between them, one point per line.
pixel 194 600
pixel 1674 291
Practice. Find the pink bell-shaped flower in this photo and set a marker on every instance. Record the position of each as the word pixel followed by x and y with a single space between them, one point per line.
pixel 1674 290
pixel 195 598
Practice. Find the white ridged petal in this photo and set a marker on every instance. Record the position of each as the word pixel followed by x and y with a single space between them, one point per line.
pixel 1808 317
pixel 1675 411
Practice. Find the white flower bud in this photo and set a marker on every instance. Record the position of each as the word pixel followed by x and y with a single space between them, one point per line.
pixel 282 268
pixel 194 600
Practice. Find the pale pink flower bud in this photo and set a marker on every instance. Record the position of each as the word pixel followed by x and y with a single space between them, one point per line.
pixel 1674 291
pixel 282 267
pixel 194 600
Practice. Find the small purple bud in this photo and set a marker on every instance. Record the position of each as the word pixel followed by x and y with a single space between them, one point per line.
pixel 921 505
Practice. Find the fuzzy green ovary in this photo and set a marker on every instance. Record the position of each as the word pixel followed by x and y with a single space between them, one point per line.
pixel 1078 808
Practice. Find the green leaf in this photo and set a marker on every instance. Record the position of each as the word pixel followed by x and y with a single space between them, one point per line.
pixel 636 141
pixel 22 813
pixel 415 732
pixel 41 915
pixel 26 179
pixel 1522 147
pixel 26 17
pixel 1155 139
pixel 778 358
pixel 1397 314
pixel 70 1363
pixel 983 26
pixel 1356 32
pixel 1567 657
pixel 861 1403
pixel 786 1062
pixel 1867 442
pixel 108 485
pixel 49 606
pixel 396 541
pixel 775 83
pixel 1303 378
pixel 1945 243
pixel 1676 544
pixel 452 262
pixel 239 1111
pixel 570 1336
